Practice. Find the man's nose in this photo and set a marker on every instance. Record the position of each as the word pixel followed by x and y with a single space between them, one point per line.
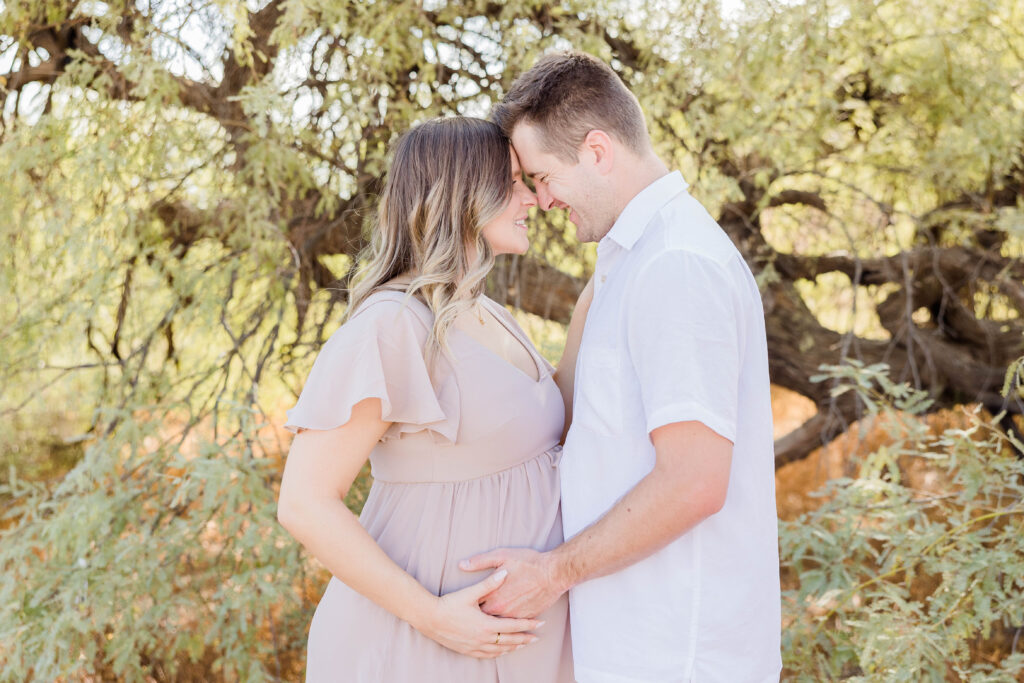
pixel 544 198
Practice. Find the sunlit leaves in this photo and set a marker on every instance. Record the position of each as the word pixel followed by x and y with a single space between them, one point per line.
pixel 914 564
pixel 169 207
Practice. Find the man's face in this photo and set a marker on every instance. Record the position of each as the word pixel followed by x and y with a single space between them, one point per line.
pixel 564 185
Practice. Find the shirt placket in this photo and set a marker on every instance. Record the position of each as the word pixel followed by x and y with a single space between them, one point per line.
pixel 607 254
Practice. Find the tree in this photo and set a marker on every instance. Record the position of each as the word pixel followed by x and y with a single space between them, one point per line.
pixel 188 183
pixel 889 132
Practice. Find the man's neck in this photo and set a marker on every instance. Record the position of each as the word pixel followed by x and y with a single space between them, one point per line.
pixel 637 176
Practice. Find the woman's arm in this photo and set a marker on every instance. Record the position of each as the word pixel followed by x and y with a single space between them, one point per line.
pixel 566 373
pixel 320 468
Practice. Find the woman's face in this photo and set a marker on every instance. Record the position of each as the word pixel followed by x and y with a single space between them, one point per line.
pixel 506 233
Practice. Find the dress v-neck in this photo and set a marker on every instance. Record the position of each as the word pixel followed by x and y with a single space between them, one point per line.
pixel 524 343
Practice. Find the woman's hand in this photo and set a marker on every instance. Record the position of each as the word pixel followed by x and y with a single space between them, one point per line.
pixel 457 622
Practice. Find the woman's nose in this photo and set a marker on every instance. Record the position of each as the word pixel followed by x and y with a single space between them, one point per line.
pixel 528 198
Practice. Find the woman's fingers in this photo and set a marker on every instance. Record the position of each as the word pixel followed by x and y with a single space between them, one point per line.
pixel 505 625
pixel 514 640
pixel 508 643
pixel 478 590
pixel 462 626
pixel 514 635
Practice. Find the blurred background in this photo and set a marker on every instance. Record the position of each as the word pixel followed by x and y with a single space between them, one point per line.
pixel 185 186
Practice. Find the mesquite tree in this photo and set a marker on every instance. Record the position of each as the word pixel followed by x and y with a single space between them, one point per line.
pixel 186 185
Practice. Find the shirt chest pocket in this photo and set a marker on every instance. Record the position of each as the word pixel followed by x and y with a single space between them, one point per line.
pixel 600 402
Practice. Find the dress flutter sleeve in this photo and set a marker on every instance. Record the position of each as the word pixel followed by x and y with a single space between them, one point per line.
pixel 379 353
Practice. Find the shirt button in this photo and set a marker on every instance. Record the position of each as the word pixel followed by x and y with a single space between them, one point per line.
pixel 603 278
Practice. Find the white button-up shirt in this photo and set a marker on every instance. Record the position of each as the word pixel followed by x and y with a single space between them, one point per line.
pixel 675 333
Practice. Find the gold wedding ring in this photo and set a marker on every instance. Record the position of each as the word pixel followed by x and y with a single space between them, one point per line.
pixel 497 638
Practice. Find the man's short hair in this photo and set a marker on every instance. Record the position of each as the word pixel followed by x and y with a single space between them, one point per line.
pixel 568 94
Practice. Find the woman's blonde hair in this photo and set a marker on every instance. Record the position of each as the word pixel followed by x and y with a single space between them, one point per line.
pixel 449 178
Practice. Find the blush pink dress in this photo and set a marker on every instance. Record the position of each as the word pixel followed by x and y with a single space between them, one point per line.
pixel 469 464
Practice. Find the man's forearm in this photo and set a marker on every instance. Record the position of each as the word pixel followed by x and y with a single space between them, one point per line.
pixel 686 486
pixel 637 526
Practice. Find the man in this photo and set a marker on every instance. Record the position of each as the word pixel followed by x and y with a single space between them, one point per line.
pixel 668 493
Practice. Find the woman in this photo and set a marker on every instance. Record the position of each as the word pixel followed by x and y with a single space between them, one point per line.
pixel 460 418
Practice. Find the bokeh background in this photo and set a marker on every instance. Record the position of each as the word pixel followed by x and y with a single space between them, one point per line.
pixel 185 186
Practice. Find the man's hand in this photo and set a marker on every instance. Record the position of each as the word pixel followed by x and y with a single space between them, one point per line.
pixel 532 586
pixel 456 622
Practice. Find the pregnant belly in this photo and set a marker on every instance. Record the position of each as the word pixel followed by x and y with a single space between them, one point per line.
pixel 427 528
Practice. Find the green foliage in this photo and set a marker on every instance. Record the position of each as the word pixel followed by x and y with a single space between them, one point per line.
pixel 158 312
pixel 915 565
pixel 147 558
pixel 150 318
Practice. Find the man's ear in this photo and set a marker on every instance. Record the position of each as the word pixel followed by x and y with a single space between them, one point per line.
pixel 598 145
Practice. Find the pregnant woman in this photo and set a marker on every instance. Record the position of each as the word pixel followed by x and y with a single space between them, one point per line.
pixel 461 419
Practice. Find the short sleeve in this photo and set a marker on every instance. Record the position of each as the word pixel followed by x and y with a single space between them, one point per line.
pixel 379 353
pixel 684 341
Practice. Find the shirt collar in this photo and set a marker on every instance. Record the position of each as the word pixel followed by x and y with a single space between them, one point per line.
pixel 633 220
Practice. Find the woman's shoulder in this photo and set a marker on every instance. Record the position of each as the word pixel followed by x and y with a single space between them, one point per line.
pixel 377 352
pixel 386 315
pixel 385 302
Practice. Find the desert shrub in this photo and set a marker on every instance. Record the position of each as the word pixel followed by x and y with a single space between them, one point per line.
pixel 913 570
pixel 150 562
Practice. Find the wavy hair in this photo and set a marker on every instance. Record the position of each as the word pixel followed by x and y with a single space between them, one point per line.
pixel 448 179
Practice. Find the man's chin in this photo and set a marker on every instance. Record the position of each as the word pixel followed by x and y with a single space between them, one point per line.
pixel 581 230
pixel 583 234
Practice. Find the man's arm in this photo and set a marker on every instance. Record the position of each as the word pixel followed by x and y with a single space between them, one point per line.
pixel 687 485
pixel 683 339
